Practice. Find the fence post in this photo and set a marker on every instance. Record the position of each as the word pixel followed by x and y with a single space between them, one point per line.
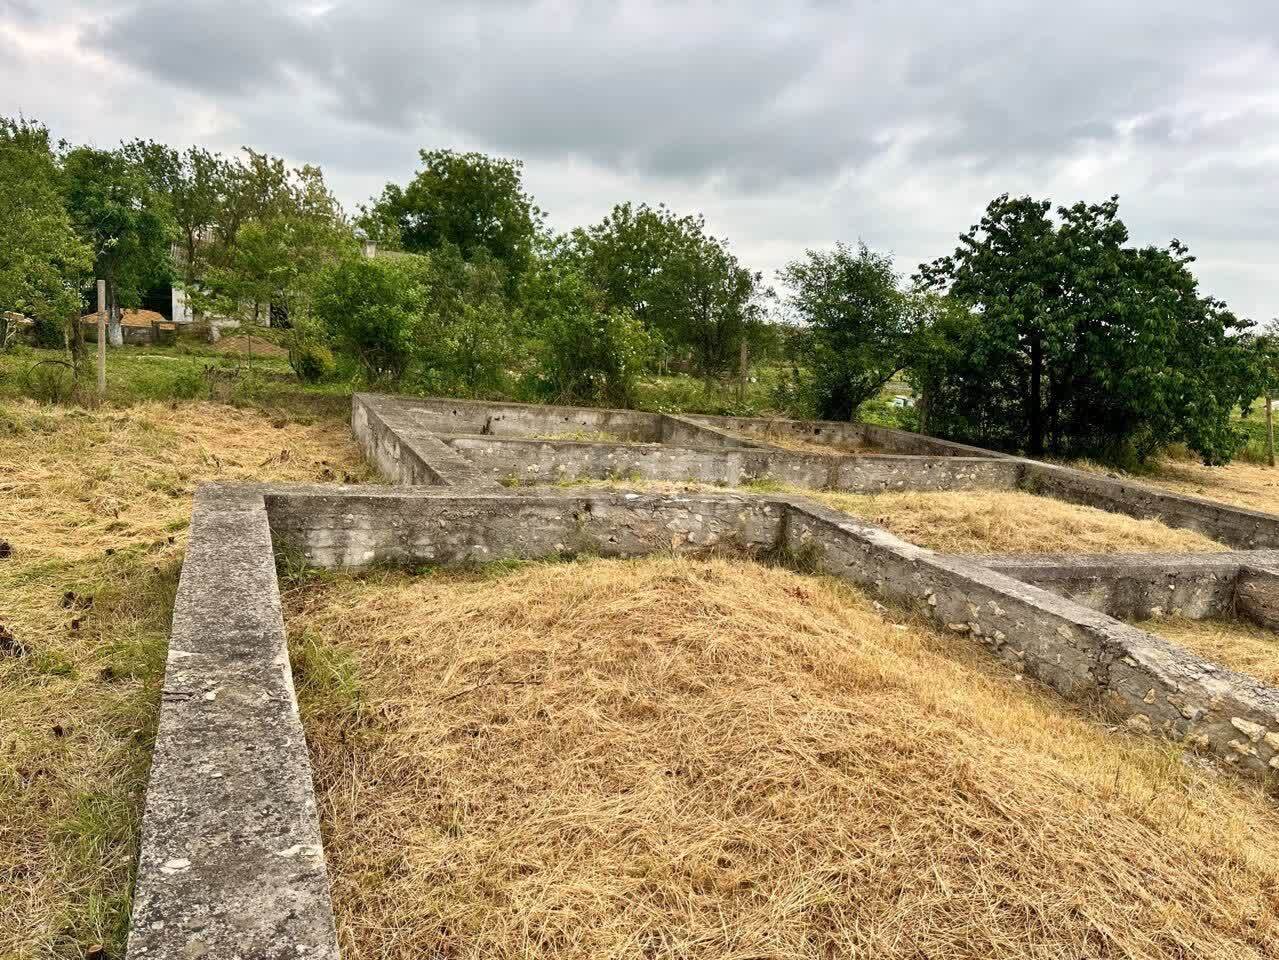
pixel 102 337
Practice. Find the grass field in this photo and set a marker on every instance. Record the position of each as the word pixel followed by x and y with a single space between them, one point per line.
pixel 94 505
pixel 1240 646
pixel 675 757
pixel 1011 521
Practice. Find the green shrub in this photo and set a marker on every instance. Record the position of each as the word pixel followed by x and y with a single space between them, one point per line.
pixel 373 309
pixel 311 360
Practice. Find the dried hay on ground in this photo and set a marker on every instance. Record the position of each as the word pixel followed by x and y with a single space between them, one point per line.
pixel 1244 647
pixel 801 445
pixel 95 507
pixel 681 758
pixel 1240 484
pixel 1011 521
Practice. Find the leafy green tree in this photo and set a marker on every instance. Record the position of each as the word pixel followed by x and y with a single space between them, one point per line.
pixel 278 253
pixel 1266 358
pixel 855 324
pixel 373 311
pixel 43 264
pixel 468 342
pixel 193 182
pixel 124 221
pixel 1081 344
pixel 470 201
pixel 585 352
pixel 681 283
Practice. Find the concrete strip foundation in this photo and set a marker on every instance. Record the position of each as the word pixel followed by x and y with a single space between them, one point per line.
pixel 231 863
pixel 1086 655
pixel 1139 586
pixel 514 461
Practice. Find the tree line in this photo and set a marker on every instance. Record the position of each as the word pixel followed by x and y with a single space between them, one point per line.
pixel 1045 331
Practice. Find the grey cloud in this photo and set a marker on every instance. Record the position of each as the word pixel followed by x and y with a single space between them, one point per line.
pixel 790 124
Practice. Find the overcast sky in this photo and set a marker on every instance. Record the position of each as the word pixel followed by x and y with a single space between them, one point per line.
pixel 790 125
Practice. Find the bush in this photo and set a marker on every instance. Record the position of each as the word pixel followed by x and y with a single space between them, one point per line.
pixel 311 360
pixel 585 353
pixel 372 309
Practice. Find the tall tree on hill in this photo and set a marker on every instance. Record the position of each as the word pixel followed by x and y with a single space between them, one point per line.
pixel 193 181
pixel 1080 344
pixel 681 283
pixel 855 321
pixel 42 262
pixel 125 222
pixel 469 201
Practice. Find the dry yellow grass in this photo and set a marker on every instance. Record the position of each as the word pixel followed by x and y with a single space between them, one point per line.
pixel 1240 646
pixel 1011 521
pixel 95 507
pixel 801 445
pixel 682 758
pixel 1240 484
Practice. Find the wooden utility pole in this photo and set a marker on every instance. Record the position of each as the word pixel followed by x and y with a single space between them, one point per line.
pixel 1270 431
pixel 102 337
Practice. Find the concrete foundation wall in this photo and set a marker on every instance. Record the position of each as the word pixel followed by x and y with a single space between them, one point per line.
pixel 1257 594
pixel 359 527
pixel 230 861
pixel 516 419
pixel 394 441
pixel 517 461
pixel 842 434
pixel 1086 655
pixel 1233 526
pixel 1133 586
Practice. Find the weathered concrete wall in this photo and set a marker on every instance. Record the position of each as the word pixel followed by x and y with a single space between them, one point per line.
pixel 230 862
pixel 511 461
pixel 393 439
pixel 1087 656
pixel 685 432
pixel 1133 586
pixel 355 527
pixel 1257 593
pixel 842 434
pixel 1234 526
pixel 518 419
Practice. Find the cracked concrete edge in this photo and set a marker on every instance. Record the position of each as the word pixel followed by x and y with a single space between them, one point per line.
pixel 231 863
